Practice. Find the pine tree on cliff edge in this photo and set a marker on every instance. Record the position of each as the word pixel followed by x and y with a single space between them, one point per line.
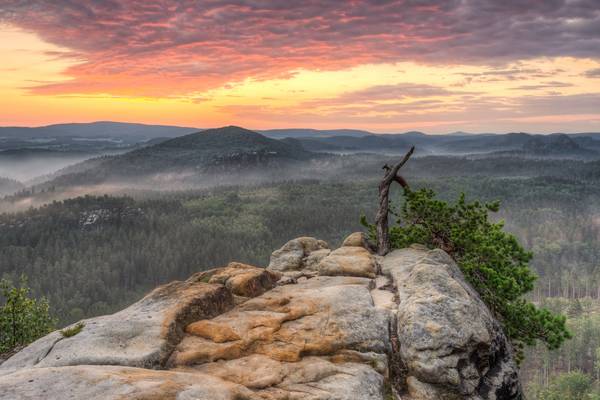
pixel 492 260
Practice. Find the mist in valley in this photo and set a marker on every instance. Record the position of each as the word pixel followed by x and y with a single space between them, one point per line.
pixel 25 169
pixel 31 167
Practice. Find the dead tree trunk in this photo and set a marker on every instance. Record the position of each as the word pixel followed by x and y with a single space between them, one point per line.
pixel 381 220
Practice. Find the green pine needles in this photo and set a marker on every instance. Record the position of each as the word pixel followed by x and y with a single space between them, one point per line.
pixel 492 260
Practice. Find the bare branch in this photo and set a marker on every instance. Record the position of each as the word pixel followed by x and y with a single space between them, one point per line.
pixel 394 171
pixel 381 219
pixel 401 181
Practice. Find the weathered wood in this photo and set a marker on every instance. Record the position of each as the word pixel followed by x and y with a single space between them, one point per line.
pixel 381 219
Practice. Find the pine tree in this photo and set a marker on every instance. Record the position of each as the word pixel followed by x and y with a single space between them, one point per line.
pixel 492 260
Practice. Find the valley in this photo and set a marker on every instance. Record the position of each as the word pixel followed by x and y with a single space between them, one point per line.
pixel 104 231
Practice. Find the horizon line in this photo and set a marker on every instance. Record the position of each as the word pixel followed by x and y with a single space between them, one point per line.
pixel 457 132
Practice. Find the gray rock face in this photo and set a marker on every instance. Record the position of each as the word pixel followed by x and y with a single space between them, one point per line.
pixel 293 255
pixel 450 343
pixel 335 329
pixel 142 335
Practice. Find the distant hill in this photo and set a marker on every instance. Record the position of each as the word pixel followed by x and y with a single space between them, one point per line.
pixel 213 150
pixel 387 143
pixel 125 130
pixel 554 146
pixel 313 144
pixel 372 143
pixel 312 133
pixel 100 129
pixel 559 145
pixel 516 144
pixel 487 143
pixel 230 145
pixel 593 135
pixel 556 143
pixel 32 155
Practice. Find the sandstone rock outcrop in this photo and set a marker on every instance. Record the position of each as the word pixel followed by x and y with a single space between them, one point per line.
pixel 241 279
pixel 116 383
pixel 317 324
pixel 298 254
pixel 357 239
pixel 349 261
pixel 450 344
pixel 282 324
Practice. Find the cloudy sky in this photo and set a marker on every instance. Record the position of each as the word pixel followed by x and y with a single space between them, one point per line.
pixel 383 65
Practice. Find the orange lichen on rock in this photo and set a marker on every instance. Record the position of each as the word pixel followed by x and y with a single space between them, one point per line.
pixel 288 323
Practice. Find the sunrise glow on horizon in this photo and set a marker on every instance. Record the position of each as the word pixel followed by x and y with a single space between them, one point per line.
pixel 380 66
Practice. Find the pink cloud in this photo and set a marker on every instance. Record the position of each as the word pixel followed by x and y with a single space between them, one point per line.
pixel 169 47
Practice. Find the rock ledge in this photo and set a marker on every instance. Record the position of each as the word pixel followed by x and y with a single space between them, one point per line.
pixel 316 324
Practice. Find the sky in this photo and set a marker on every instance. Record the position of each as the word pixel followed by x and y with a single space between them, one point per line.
pixel 436 66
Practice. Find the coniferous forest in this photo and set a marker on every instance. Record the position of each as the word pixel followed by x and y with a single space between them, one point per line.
pixel 93 255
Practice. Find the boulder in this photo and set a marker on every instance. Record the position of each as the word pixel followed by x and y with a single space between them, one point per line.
pixel 349 261
pixel 450 344
pixel 292 255
pixel 142 335
pixel 241 279
pixel 356 239
pixel 314 258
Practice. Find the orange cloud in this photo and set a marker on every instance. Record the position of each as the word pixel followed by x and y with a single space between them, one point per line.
pixel 173 47
pixel 381 65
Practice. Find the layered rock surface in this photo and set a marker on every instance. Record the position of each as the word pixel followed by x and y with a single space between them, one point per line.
pixel 316 324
